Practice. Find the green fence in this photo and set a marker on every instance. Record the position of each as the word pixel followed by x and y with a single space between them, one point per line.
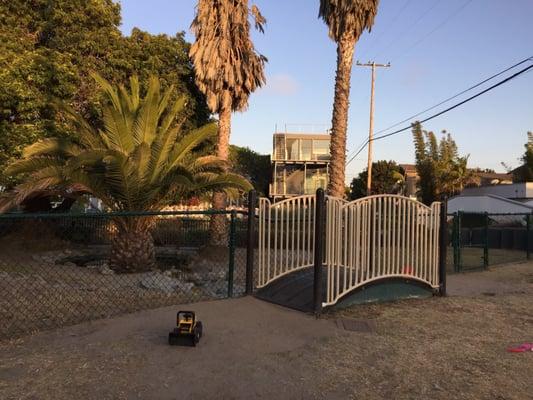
pixel 479 240
pixel 61 269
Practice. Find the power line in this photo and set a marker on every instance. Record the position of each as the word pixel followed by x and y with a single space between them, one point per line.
pixel 444 111
pixel 448 19
pixel 390 23
pixel 362 145
pixel 457 95
pixel 408 29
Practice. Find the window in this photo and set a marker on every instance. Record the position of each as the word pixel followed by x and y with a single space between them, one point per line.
pixel 292 149
pixel 321 149
pixel 315 177
pixel 306 147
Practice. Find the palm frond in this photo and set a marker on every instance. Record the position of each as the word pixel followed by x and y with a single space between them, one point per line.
pixel 140 160
pixel 189 142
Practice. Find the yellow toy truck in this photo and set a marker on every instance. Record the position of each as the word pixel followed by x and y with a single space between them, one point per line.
pixel 188 330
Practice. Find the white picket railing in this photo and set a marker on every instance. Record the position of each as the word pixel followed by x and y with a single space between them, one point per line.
pixel 286 237
pixel 373 238
pixel 379 237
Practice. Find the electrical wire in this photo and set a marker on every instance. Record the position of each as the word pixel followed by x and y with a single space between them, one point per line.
pixel 362 145
pixel 446 20
pixel 457 95
pixel 526 69
pixel 402 33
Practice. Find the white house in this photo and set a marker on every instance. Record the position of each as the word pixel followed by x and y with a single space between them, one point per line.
pixel 513 198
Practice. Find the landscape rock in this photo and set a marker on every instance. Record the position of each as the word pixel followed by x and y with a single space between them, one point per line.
pixel 70 264
pixel 164 283
pixel 105 270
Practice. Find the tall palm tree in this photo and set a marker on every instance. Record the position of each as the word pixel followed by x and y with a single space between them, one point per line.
pixel 140 159
pixel 228 69
pixel 346 19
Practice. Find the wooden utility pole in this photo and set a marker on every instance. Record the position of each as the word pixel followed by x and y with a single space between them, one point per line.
pixel 371 129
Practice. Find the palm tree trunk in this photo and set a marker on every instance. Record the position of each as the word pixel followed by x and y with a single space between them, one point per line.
pixel 341 103
pixel 132 252
pixel 132 248
pixel 218 229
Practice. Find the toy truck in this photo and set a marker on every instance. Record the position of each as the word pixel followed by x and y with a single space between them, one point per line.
pixel 188 330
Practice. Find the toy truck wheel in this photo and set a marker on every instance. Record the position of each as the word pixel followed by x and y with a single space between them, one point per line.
pixel 200 329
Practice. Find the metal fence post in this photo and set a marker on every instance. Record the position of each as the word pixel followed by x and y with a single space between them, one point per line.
pixel 528 222
pixel 486 241
pixel 459 244
pixel 443 246
pixel 250 246
pixel 231 247
pixel 455 242
pixel 320 214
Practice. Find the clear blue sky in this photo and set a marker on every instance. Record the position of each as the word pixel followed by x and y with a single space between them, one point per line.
pixel 436 47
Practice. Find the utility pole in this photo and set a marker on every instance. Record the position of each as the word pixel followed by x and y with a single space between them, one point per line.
pixel 371 129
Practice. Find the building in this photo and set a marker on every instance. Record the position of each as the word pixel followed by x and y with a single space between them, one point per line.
pixel 479 179
pixel 510 198
pixel 410 179
pixel 300 164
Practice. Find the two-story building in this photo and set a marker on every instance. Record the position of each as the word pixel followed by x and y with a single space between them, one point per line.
pixel 300 164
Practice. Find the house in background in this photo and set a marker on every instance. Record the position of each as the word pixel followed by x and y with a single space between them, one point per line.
pixel 410 179
pixel 510 198
pixel 300 164
pixel 479 179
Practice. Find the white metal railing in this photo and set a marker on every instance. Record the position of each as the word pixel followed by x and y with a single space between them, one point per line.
pixel 286 237
pixel 377 237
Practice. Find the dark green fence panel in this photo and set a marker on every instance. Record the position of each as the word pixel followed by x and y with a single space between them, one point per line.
pixel 57 269
pixel 480 240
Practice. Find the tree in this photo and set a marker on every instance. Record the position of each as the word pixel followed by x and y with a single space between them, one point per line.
pixel 228 69
pixel 524 173
pixel 441 170
pixel 346 19
pixel 253 166
pixel 387 178
pixel 139 159
pixel 48 49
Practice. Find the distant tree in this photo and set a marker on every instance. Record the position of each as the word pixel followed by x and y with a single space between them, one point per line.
pixel 387 178
pixel 441 170
pixel 228 70
pixel 524 173
pixel 346 20
pixel 253 166
pixel 48 48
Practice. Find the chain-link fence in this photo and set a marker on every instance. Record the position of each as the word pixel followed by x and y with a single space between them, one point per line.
pixel 61 269
pixel 479 240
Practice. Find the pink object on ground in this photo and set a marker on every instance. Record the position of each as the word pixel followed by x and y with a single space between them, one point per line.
pixel 521 348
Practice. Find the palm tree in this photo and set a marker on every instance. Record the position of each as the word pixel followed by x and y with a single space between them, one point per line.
pixel 228 70
pixel 346 19
pixel 138 160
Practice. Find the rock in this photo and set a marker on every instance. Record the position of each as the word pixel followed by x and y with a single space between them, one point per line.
pixel 70 264
pixel 217 275
pixel 105 270
pixel 184 286
pixel 164 283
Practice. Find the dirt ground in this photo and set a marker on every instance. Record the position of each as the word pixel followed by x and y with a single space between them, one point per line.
pixel 440 348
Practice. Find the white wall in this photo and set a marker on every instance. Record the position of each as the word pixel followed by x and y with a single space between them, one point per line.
pixel 490 204
pixel 514 191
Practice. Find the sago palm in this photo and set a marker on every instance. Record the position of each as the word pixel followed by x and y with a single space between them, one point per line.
pixel 138 160
pixel 228 69
pixel 346 20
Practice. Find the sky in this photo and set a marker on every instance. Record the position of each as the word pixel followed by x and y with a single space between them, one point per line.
pixel 436 48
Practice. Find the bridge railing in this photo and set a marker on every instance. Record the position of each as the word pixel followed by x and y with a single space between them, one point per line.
pixel 379 237
pixel 286 237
